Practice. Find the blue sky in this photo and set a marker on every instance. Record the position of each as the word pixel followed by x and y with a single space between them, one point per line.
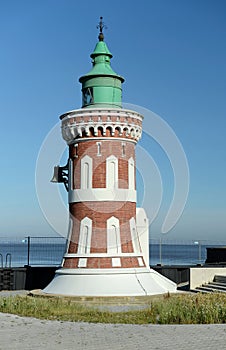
pixel 173 57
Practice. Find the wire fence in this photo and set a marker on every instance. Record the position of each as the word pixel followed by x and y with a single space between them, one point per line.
pixel 47 251
pixel 31 251
pixel 180 252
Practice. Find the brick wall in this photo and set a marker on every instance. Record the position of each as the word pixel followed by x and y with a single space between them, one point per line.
pixel 107 148
pixel 99 213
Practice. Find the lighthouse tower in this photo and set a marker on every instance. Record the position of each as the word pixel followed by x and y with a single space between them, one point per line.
pixel 107 250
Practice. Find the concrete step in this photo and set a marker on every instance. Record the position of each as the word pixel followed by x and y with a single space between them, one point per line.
pixel 219 283
pixel 205 287
pixel 219 278
pixel 217 286
pixel 200 290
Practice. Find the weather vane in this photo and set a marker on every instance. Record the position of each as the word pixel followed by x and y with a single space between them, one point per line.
pixel 101 26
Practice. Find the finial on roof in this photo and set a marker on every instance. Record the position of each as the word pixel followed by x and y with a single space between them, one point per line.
pixel 101 26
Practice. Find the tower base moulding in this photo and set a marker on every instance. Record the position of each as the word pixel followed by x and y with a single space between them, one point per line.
pixel 109 282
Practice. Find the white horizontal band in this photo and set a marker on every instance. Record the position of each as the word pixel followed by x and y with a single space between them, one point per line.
pixel 105 271
pixel 102 194
pixel 84 112
pixel 103 255
pixel 103 138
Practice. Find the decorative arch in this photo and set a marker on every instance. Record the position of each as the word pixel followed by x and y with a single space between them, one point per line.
pixel 132 132
pixel 109 130
pixel 126 131
pixel 84 242
pixel 100 131
pixel 112 172
pixel 91 131
pixel 113 236
pixel 117 131
pixel 86 172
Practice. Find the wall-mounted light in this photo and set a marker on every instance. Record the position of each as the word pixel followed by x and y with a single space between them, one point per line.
pixel 60 175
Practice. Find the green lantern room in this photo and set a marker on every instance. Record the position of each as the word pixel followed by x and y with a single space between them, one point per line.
pixel 101 87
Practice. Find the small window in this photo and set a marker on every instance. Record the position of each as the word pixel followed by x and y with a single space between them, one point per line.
pixel 123 149
pixel 99 149
pixel 76 150
pixel 87 96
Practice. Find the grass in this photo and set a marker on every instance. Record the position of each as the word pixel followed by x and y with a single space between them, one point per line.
pixel 175 309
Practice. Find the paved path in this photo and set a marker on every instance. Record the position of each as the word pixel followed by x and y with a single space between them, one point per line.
pixel 23 333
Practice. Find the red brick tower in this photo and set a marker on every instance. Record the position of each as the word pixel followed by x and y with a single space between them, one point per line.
pixel 102 194
pixel 107 252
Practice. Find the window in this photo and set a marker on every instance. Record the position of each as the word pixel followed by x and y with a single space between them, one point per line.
pixel 99 148
pixel 123 149
pixel 86 172
pixel 113 236
pixel 85 236
pixel 76 150
pixel 87 96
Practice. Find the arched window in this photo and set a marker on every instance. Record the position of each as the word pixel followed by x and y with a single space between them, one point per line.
pixel 85 236
pixel 112 172
pixel 86 172
pixel 98 148
pixel 123 149
pixel 113 236
pixel 76 150
pixel 131 172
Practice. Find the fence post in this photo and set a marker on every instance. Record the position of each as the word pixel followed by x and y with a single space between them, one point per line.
pixel 160 251
pixel 200 252
pixel 1 257
pixel 28 250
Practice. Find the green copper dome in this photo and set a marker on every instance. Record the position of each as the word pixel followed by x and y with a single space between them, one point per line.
pixel 101 86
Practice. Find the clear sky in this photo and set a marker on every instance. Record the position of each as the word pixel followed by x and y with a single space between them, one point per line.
pixel 173 57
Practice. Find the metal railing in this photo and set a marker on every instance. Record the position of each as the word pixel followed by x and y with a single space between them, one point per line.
pixel 180 252
pixel 32 251
pixel 47 251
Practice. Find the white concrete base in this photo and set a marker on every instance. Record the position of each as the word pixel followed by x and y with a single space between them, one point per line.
pixel 109 282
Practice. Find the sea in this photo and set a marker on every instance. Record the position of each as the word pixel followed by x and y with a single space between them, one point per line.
pixel 48 251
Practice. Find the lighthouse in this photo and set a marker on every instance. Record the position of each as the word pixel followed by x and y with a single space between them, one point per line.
pixel 107 251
